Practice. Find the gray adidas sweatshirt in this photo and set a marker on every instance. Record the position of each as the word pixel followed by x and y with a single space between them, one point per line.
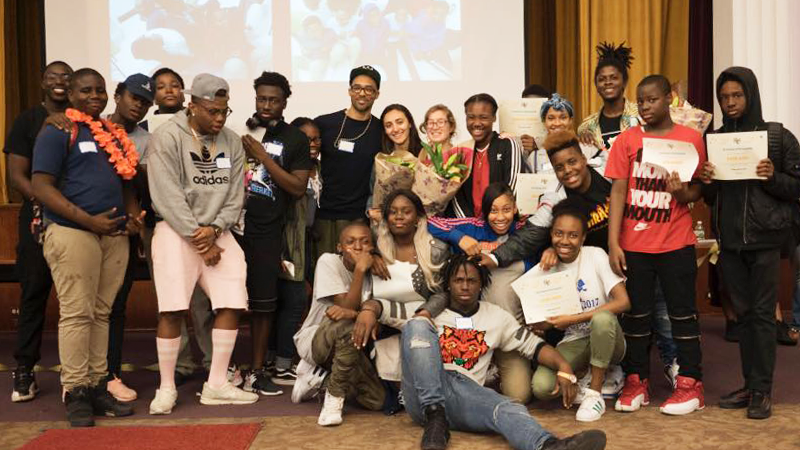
pixel 188 190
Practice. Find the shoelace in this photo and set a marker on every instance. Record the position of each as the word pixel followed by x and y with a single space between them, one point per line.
pixel 681 395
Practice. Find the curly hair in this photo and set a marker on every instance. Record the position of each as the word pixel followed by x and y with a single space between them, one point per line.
pixel 561 140
pixel 618 56
pixel 273 79
pixel 460 260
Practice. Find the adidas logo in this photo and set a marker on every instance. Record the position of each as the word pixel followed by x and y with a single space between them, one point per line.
pixel 207 167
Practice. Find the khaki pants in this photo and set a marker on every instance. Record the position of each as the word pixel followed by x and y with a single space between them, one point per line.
pixel 515 375
pixel 352 373
pixel 603 347
pixel 87 272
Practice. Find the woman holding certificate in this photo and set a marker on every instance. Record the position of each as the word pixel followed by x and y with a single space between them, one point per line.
pixel 593 338
pixel 753 212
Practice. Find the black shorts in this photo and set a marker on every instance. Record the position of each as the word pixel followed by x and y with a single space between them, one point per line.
pixel 263 256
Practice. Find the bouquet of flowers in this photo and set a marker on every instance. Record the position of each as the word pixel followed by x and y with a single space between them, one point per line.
pixel 685 114
pixel 440 174
pixel 392 171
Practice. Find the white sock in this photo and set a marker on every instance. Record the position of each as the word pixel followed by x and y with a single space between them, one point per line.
pixel 222 342
pixel 167 359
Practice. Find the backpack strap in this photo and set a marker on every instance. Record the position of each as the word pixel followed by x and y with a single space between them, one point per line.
pixel 775 143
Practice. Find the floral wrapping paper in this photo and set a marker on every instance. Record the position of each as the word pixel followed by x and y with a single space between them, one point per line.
pixel 434 190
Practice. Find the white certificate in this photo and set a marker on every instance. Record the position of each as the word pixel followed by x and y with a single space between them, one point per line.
pixel 521 116
pixel 736 155
pixel 672 156
pixel 544 295
pixel 530 187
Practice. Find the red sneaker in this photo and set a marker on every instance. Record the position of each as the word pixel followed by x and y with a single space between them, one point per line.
pixel 635 394
pixel 687 397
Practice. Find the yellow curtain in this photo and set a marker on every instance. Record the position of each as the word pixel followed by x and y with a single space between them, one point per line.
pixel 657 30
pixel 3 188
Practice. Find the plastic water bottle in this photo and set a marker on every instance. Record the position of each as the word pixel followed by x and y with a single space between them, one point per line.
pixel 699 231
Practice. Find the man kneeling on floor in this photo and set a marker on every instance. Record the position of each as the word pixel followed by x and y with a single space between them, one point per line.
pixel 444 365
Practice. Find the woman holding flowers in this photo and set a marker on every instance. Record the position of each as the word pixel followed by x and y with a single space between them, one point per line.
pixel 394 165
pixel 83 179
pixel 494 159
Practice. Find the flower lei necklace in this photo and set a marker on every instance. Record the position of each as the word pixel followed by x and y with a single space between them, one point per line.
pixel 108 135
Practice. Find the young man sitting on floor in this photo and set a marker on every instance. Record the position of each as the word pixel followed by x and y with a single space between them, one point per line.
pixel 445 360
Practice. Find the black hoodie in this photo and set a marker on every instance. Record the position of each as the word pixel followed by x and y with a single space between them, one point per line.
pixel 756 214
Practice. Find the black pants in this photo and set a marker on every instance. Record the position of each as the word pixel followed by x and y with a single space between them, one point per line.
pixel 35 282
pixel 676 272
pixel 292 303
pixel 752 278
pixel 116 320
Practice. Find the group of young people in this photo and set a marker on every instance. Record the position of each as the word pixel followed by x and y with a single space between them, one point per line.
pixel 407 310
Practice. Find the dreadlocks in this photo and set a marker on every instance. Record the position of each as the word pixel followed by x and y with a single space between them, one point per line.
pixel 616 56
pixel 460 260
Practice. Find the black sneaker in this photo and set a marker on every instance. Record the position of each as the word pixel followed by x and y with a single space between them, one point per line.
pixel 25 387
pixel 760 406
pixel 285 377
pixel 269 367
pixel 437 431
pixel 104 404
pixel 737 399
pixel 259 381
pixel 585 440
pixel 78 402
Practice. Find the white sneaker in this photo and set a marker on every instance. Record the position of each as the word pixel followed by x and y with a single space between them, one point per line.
pixel 583 385
pixel 615 380
pixel 331 413
pixel 164 401
pixel 309 381
pixel 592 407
pixel 228 394
pixel 671 373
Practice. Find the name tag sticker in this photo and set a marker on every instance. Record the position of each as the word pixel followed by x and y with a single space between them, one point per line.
pixel 223 163
pixel 464 323
pixel 274 148
pixel 87 147
pixel 346 146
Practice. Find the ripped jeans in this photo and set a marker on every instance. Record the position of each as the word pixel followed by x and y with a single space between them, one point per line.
pixel 468 405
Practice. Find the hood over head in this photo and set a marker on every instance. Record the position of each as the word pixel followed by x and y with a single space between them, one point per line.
pixel 752 117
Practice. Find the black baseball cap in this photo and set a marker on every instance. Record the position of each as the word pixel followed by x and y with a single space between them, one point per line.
pixel 141 85
pixel 368 71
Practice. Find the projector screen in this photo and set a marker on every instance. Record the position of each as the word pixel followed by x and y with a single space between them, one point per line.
pixel 427 51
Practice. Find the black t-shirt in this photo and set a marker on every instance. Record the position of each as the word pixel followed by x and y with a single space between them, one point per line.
pixel 267 203
pixel 609 128
pixel 23 132
pixel 345 174
pixel 595 202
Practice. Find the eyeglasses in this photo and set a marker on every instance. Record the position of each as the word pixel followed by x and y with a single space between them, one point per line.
pixel 58 76
pixel 436 123
pixel 216 112
pixel 366 90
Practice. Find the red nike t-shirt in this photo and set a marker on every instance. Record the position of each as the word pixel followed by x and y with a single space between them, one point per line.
pixel 652 221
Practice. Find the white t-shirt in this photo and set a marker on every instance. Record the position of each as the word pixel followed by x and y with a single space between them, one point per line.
pixel 594 282
pixel 331 278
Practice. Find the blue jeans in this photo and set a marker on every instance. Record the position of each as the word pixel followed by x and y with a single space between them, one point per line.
pixel 468 405
pixel 663 329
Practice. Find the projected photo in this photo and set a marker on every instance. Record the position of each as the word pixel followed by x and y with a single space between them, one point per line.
pixel 407 40
pixel 229 38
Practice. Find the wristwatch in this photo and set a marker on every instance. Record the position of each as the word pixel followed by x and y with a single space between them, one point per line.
pixel 217 230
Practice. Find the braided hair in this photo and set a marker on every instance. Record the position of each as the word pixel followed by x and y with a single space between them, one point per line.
pixel 618 56
pixel 459 260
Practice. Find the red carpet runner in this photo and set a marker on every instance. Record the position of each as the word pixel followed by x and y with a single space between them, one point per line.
pixel 191 437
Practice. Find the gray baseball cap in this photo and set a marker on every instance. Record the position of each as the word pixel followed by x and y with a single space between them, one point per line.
pixel 206 86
